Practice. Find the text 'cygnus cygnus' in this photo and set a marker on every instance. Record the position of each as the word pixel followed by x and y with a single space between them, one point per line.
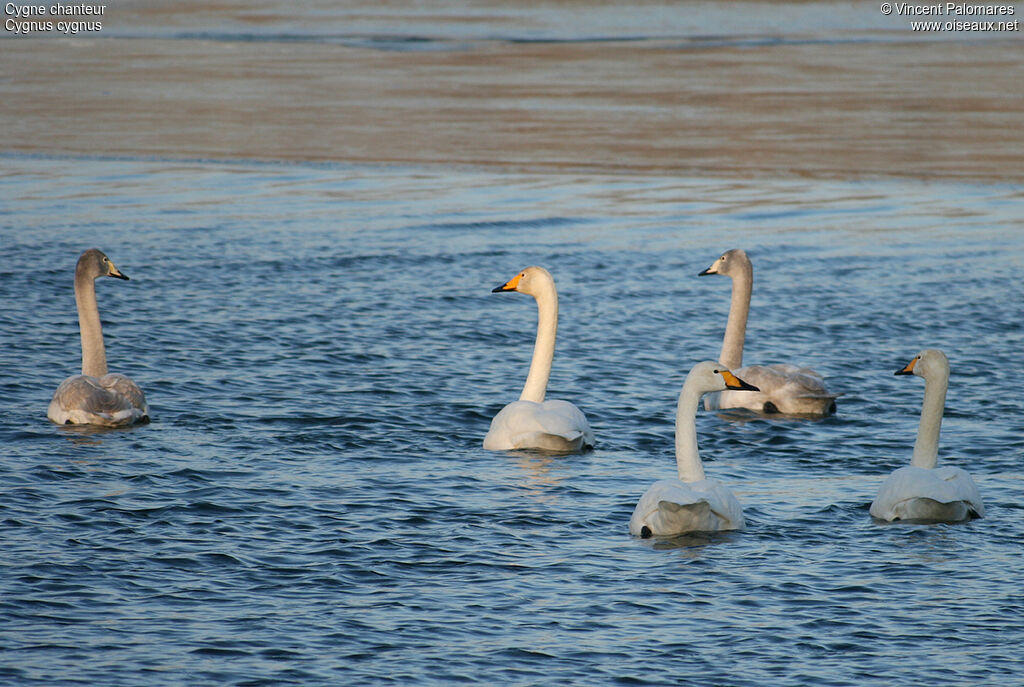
pixel 532 422
pixel 922 491
pixel 691 503
pixel 95 397
pixel 785 388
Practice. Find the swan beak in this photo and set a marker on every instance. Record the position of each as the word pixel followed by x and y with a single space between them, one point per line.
pixel 114 272
pixel 734 382
pixel 909 369
pixel 710 270
pixel 510 285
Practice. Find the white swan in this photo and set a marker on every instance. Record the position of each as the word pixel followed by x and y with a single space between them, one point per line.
pixel 691 503
pixel 532 422
pixel 786 389
pixel 95 397
pixel 922 491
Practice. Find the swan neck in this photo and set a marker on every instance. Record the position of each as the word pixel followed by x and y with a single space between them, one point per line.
pixel 94 358
pixel 926 448
pixel 736 327
pixel 544 347
pixel 687 458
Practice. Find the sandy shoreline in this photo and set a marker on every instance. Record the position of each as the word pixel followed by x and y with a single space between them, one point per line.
pixel 944 109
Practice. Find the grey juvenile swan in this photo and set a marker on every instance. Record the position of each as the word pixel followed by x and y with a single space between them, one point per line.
pixel 95 397
pixel 786 389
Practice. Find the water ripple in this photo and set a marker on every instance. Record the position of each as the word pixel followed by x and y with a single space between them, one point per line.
pixel 312 504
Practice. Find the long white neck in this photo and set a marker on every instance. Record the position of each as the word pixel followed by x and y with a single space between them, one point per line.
pixel 687 458
pixel 94 358
pixel 736 327
pixel 926 448
pixel 544 348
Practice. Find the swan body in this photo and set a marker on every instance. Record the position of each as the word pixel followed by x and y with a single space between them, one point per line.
pixel 531 422
pixel 550 426
pixel 945 494
pixel 671 507
pixel 793 391
pixel 786 389
pixel 922 491
pixel 95 397
pixel 693 502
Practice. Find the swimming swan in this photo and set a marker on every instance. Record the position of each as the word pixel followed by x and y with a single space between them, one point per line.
pixel 786 389
pixel 922 491
pixel 95 397
pixel 691 503
pixel 532 422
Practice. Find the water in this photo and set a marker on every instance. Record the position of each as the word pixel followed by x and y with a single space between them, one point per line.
pixel 322 356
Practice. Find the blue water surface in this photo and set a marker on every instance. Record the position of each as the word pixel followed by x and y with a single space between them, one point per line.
pixel 322 356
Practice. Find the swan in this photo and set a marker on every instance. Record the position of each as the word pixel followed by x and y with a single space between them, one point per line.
pixel 921 491
pixel 532 422
pixel 95 397
pixel 785 388
pixel 691 503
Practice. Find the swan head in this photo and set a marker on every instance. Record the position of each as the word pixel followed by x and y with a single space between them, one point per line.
pixel 929 363
pixel 94 263
pixel 730 263
pixel 532 281
pixel 712 376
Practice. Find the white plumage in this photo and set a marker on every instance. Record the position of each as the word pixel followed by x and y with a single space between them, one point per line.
pixel 531 422
pixel 551 426
pixel 922 491
pixel 693 502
